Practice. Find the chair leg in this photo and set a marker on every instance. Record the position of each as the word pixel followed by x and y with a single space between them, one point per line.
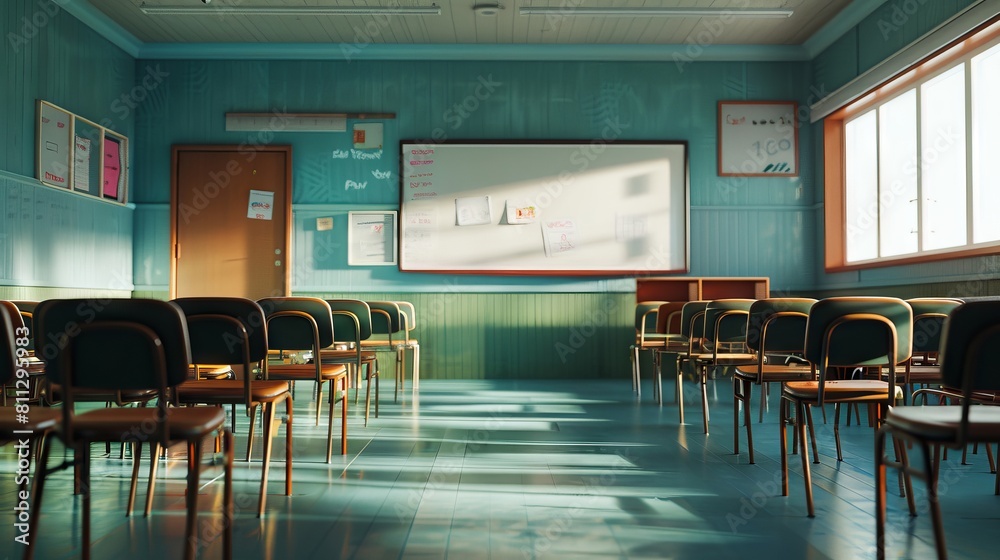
pixel 736 414
pixel 84 451
pixel 783 437
pixel 154 463
pixel 880 497
pixel 319 398
pixel 368 396
pixel 36 496
pixel 190 525
pixel 764 391
pixel 808 421
pixel 679 390
pixel 803 413
pixel 356 371
pixel 136 460
pixel 836 429
pixel 749 425
pixel 634 358
pixel 329 426
pixel 227 494
pixel 343 420
pixel 288 446
pixel 377 379
pixel 932 497
pixel 267 411
pixel 704 398
pixel 253 422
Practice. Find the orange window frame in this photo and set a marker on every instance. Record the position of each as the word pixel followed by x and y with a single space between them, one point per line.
pixel 835 211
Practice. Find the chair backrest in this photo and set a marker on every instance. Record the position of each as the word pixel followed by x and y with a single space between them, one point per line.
pixel 386 318
pixel 726 320
pixel 668 317
pixel 693 319
pixel 971 334
pixel 225 330
pixel 297 323
pixel 857 331
pixel 928 322
pixel 778 325
pixel 409 316
pixel 8 347
pixel 352 320
pixel 645 315
pixel 112 363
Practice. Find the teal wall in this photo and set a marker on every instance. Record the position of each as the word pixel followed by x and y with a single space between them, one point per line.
pixel 739 226
pixel 53 242
pixel 468 326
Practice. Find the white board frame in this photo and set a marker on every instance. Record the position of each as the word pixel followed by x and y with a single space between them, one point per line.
pixel 583 208
pixel 758 139
pixel 359 225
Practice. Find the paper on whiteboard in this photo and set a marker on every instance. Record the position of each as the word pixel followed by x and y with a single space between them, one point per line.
pixel 81 164
pixel 521 214
pixel 473 211
pixel 260 205
pixel 559 236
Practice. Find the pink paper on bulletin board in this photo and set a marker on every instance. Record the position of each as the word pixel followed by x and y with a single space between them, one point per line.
pixel 112 168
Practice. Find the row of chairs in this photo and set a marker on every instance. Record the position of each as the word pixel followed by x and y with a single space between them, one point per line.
pixel 801 343
pixel 145 349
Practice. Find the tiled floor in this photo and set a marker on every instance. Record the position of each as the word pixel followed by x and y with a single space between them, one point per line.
pixel 528 469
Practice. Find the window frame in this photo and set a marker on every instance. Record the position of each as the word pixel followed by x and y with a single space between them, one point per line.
pixel 960 51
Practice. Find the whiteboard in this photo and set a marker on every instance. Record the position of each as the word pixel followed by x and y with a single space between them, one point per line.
pixel 758 139
pixel 559 208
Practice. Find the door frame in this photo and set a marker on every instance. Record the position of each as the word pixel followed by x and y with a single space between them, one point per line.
pixel 249 151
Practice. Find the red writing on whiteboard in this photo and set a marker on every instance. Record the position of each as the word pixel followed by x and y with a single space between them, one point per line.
pixel 55 178
pixel 421 152
pixel 418 184
pixel 560 224
pixel 421 161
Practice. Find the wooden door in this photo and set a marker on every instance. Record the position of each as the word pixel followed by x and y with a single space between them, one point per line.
pixel 227 240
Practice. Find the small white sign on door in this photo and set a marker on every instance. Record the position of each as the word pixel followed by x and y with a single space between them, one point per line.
pixel 260 205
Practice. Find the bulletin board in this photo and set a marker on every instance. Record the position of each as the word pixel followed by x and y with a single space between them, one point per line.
pixel 80 155
pixel 544 208
pixel 758 139
pixel 371 238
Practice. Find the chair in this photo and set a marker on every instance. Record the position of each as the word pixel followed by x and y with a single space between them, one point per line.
pixel 645 338
pixel 971 337
pixel 19 422
pixel 232 331
pixel 668 322
pixel 776 327
pixel 387 321
pixel 923 367
pixel 846 332
pixel 303 323
pixel 692 329
pixel 409 341
pixel 352 325
pixel 126 344
pixel 723 344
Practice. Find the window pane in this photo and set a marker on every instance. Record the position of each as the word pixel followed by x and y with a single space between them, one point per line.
pixel 985 145
pixel 861 161
pixel 897 149
pixel 942 160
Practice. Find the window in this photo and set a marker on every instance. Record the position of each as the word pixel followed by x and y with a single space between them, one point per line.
pixel 911 173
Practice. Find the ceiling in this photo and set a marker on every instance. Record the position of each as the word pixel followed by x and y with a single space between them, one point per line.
pixel 459 24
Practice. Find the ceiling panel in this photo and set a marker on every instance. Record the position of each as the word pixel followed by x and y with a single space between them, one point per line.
pixel 459 23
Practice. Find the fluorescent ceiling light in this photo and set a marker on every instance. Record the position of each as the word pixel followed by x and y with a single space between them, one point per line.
pixel 432 10
pixel 656 12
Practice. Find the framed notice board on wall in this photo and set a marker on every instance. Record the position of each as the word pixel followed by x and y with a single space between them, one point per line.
pixel 80 155
pixel 568 208
pixel 758 139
